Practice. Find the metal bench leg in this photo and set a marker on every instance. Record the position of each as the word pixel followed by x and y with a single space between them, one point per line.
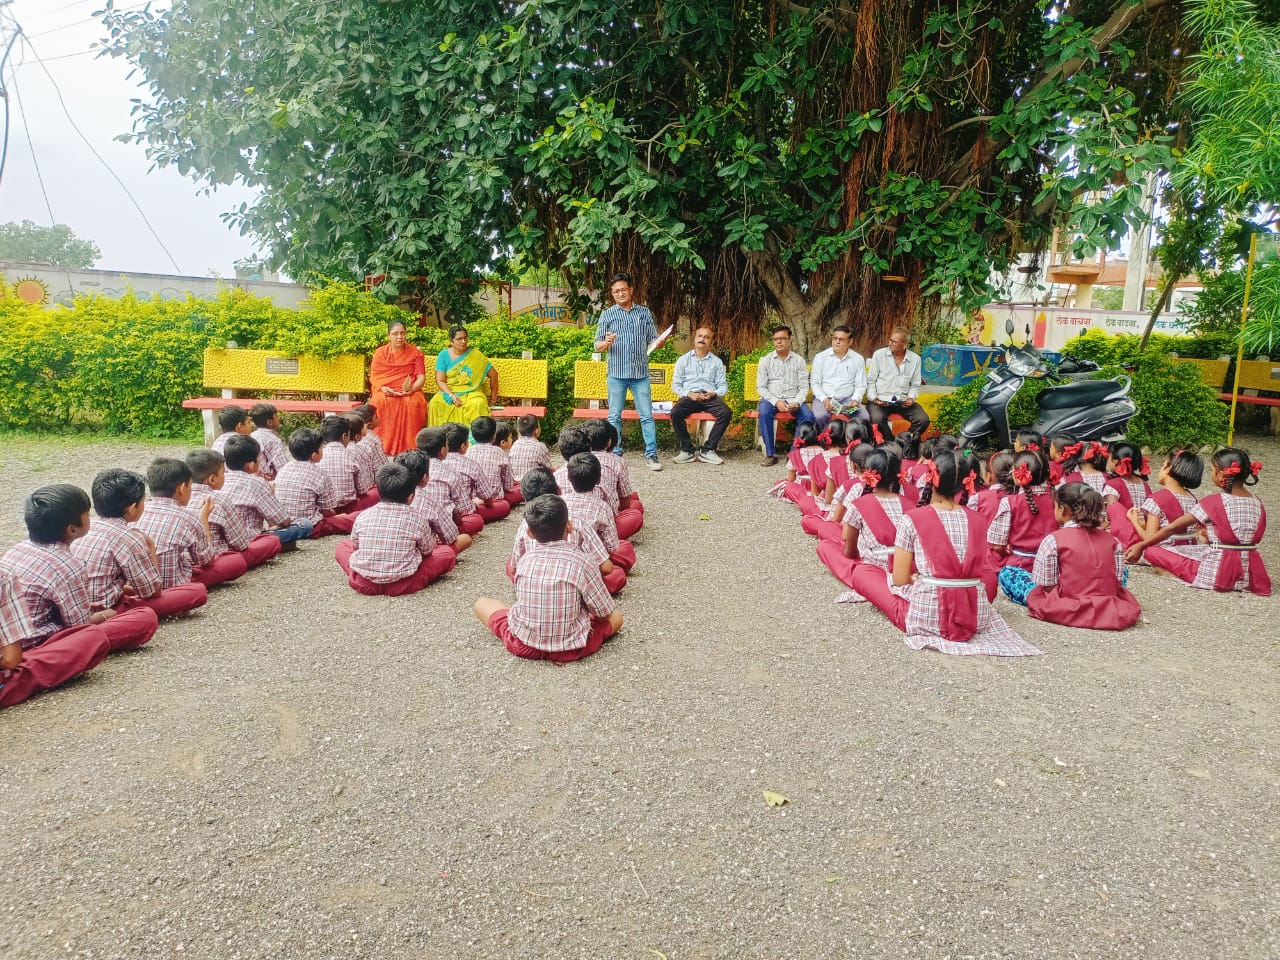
pixel 210 427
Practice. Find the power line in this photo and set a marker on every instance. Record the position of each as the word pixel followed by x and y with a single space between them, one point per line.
pixel 84 20
pixel 80 133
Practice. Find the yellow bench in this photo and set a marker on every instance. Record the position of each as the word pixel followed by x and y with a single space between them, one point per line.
pixel 591 383
pixel 522 379
pixel 233 371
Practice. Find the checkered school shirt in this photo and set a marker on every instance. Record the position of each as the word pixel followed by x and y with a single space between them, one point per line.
pixel 472 478
pixel 588 510
pixel 1001 524
pixel 249 496
pixel 274 454
pixel 869 548
pixel 369 456
pixel 579 538
pixel 179 539
pixel 527 453
pixel 562 481
pixel 305 491
pixel 447 472
pixel 220 441
pixel 615 479
pixel 53 584
pixel 229 528
pixel 340 468
pixel 114 554
pixel 15 620
pixel 558 591
pixel 391 539
pixel 1046 573
pixel 923 623
pixel 494 468
pixel 435 503
pixel 1245 515
pixel 628 358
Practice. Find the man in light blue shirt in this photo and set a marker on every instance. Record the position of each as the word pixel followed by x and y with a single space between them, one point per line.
pixel 625 330
pixel 700 383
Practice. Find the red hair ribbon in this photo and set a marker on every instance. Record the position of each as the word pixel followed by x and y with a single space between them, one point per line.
pixel 797 443
pixel 871 478
pixel 824 437
pixel 971 483
pixel 1231 470
pixel 1022 475
pixel 1070 450
pixel 1034 446
pixel 930 472
pixel 875 432
pixel 1257 467
pixel 904 476
pixel 1095 450
pixel 1124 466
pixel 851 444
pixel 1146 465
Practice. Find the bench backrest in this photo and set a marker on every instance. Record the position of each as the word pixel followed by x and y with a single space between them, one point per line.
pixel 517 378
pixel 1261 375
pixel 242 369
pixel 749 391
pixel 1213 372
pixel 591 380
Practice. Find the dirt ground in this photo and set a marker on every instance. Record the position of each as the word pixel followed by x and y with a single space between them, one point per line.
pixel 299 771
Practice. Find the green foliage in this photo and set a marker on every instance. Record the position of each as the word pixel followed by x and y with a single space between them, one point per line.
pixel 341 318
pixel 56 245
pixel 736 375
pixel 956 407
pixel 1104 348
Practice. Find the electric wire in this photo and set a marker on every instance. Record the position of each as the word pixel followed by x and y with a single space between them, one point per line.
pixel 114 176
pixel 84 20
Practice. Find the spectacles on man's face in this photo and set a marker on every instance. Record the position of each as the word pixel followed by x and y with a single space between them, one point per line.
pixel 781 339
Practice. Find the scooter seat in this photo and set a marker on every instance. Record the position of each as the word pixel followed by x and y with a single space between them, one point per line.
pixel 1080 394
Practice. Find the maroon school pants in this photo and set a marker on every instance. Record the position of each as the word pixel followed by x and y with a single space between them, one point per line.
pixel 513 496
pixel 629 522
pixel 130 629
pixel 173 602
pixel 223 568
pixel 624 556
pixel 614 580
pixel 338 523
pixel 439 562
pixel 66 654
pixel 832 556
pixel 873 583
pixel 815 526
pixel 600 631
pixel 471 523
pixel 494 510
pixel 261 548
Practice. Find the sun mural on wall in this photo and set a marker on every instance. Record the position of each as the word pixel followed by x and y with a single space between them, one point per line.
pixel 32 290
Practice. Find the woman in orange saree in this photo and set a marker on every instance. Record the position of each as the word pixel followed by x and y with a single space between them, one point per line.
pixel 396 376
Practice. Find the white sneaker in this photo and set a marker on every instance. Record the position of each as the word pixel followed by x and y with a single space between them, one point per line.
pixel 653 463
pixel 684 457
pixel 709 456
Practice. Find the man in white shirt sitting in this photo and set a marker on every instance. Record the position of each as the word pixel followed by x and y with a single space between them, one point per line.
pixel 893 386
pixel 838 380
pixel 700 382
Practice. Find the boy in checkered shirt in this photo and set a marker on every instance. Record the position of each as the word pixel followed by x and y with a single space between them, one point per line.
pixel 371 444
pixel 266 421
pixel 366 469
pixel 488 497
pixel 53 581
pixel 230 533
pixel 586 509
pixel 562 611
pixel 338 464
pixel 121 561
pixel 528 451
pixel 306 491
pixel 432 500
pixel 433 441
pixel 493 463
pixel 251 498
pixel 24 672
pixel 183 539
pixel 536 483
pixel 615 480
pixel 392 551
pixel 233 420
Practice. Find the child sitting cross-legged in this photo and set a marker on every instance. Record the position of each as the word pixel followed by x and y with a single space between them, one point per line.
pixel 362 461
pixel 432 500
pixel 183 539
pixel 537 482
pixel 231 533
pixel 338 464
pixel 485 494
pixel 562 611
pixel 306 491
pixel 615 479
pixel 248 495
pixel 392 551
pixel 433 441
pixel 54 583
pixel 528 451
pixel 492 463
pixel 266 424
pixel 587 508
pixel 370 446
pixel 120 561
pixel 233 420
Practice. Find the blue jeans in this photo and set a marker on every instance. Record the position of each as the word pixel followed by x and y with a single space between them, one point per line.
pixel 298 530
pixel 767 413
pixel 642 394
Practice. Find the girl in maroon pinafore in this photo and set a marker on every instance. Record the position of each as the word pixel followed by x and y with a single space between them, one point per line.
pixel 870 526
pixel 1026 517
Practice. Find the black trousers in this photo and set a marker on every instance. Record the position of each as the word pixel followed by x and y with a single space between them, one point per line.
pixel 914 413
pixel 684 406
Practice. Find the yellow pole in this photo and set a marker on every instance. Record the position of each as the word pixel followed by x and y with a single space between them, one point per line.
pixel 1244 315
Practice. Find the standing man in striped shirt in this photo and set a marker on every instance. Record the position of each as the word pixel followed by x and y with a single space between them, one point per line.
pixel 625 330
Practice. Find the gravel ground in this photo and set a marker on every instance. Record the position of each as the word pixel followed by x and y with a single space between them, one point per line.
pixel 299 771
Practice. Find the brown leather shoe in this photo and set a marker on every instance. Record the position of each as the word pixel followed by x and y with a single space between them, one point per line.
pixel 769 461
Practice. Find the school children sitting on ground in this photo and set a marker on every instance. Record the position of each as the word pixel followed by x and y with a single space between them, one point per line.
pixel 183 539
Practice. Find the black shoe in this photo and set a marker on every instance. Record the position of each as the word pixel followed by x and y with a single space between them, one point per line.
pixel 769 461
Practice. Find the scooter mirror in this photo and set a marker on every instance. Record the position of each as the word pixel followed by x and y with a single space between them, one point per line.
pixel 1008 326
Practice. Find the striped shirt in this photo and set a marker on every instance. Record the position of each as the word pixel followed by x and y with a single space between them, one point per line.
pixel 179 538
pixel 447 472
pixel 305 491
pixel 391 540
pixel 558 591
pixel 53 584
pixel 114 554
pixel 274 454
pixel 527 453
pixel 628 358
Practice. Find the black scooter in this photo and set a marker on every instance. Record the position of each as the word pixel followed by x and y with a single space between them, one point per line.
pixel 1087 409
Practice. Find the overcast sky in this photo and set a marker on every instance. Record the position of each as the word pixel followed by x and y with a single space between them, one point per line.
pixel 81 192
